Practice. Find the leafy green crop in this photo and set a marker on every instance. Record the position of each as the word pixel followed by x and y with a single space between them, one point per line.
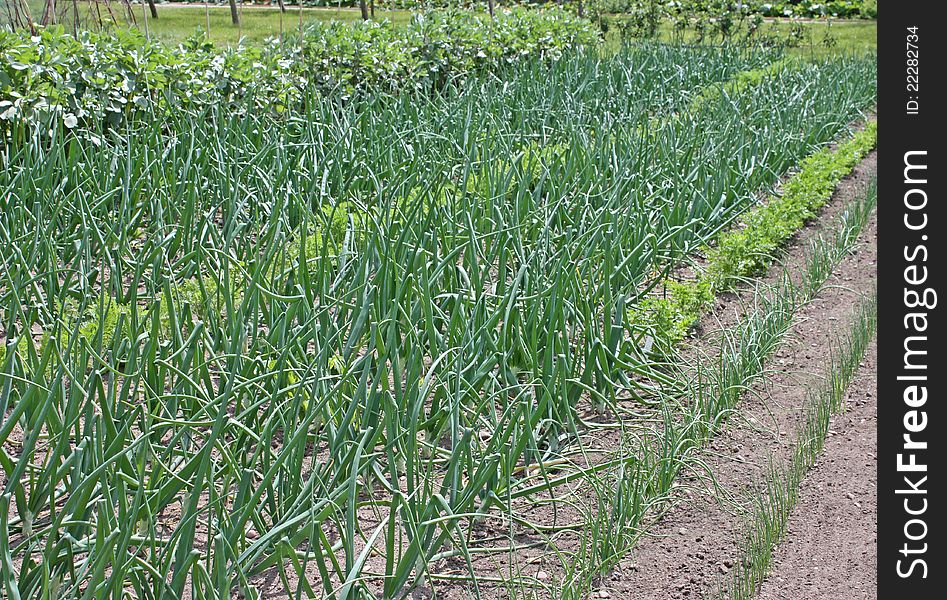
pixel 107 77
pixel 750 249
pixel 672 316
pixel 436 48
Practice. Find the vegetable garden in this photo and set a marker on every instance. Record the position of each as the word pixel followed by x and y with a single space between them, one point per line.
pixel 377 311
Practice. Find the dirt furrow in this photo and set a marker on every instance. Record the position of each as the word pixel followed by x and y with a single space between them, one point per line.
pixel 697 542
pixel 829 550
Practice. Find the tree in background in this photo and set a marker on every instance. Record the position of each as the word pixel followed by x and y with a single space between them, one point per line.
pixel 26 14
pixel 234 15
pixel 49 11
pixel 17 14
pixel 364 8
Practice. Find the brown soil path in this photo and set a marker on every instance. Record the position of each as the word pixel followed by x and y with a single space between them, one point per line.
pixel 691 551
pixel 829 550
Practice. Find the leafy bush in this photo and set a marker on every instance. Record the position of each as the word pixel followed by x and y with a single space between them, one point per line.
pixel 669 318
pixel 851 9
pixel 107 76
pixel 435 48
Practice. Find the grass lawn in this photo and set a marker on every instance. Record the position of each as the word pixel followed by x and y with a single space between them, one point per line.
pixel 814 39
pixel 836 37
pixel 175 23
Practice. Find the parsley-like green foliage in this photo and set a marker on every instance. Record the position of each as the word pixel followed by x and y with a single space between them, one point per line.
pixel 748 251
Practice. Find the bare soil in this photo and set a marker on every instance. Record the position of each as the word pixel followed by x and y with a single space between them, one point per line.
pixel 829 550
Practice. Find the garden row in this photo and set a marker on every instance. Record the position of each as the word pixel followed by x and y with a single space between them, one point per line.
pixel 749 250
pixel 318 345
pixel 740 381
pixel 815 9
pixel 864 9
pixel 111 75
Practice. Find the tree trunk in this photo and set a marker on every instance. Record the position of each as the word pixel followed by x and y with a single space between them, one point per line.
pixel 20 15
pixel 154 9
pixel 49 13
pixel 364 8
pixel 234 15
pixel 282 5
pixel 491 4
pixel 371 6
pixel 581 9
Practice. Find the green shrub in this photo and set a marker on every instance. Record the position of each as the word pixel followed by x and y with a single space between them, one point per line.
pixel 108 76
pixel 435 48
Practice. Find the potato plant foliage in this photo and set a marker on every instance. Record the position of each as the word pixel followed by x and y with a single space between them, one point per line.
pixel 112 75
